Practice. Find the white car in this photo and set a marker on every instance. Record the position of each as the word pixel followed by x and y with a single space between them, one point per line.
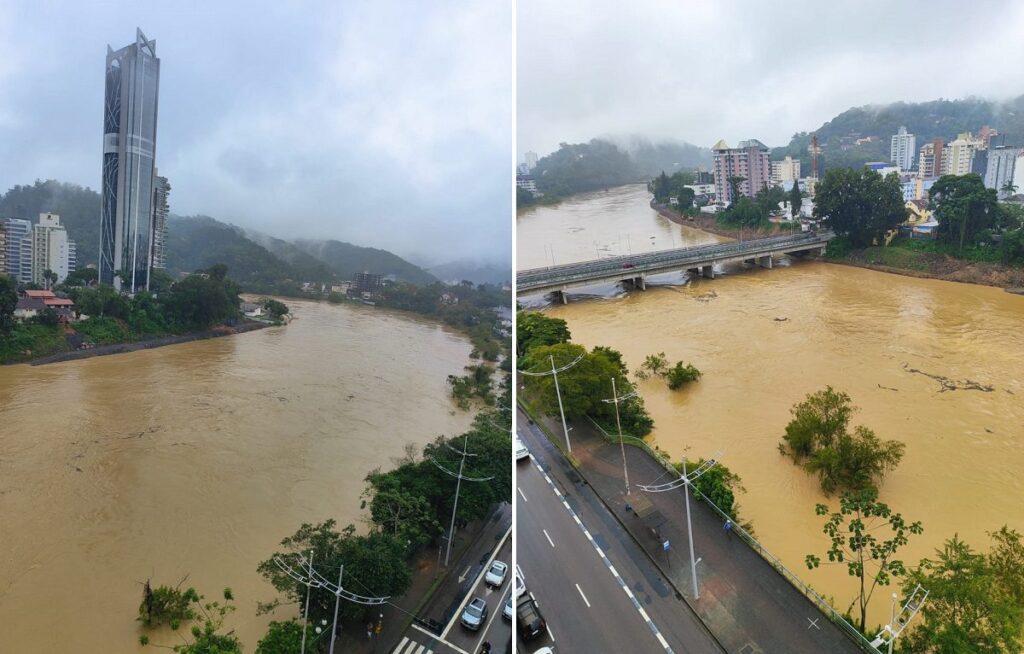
pixel 507 611
pixel 496 574
pixel 520 584
pixel 519 449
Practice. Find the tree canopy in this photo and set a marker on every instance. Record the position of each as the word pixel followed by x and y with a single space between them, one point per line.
pixel 963 207
pixel 860 205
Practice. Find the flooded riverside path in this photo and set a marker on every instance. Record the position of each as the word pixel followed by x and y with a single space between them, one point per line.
pixel 197 459
pixel 764 339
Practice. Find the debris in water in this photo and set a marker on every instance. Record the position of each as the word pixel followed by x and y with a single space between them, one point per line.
pixel 952 384
pixel 707 297
pixel 782 319
pixel 888 388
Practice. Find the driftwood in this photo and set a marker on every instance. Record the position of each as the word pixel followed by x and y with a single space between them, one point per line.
pixel 948 384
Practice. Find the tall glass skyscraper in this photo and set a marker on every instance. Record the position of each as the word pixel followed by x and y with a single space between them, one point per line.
pixel 129 150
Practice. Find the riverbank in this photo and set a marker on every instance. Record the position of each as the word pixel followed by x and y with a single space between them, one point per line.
pixel 707 222
pixel 145 344
pixel 933 265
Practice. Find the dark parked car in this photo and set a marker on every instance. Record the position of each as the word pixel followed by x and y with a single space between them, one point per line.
pixel 531 624
pixel 628 264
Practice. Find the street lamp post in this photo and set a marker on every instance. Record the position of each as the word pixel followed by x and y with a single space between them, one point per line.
pixel 464 452
pixel 685 480
pixel 310 578
pixel 615 399
pixel 899 621
pixel 554 373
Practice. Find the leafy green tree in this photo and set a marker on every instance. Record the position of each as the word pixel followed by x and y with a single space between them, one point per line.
pixel 375 565
pixel 535 329
pixel 198 302
pixel 734 182
pixel 818 437
pixel 82 277
pixel 408 517
pixel 975 601
pixel 796 200
pixel 1009 188
pixel 275 308
pixel 865 536
pixel 102 301
pixel 963 207
pixel 769 198
pixel 166 605
pixel 860 205
pixel 661 188
pixel 654 364
pixel 745 212
pixel 717 484
pixel 582 387
pixel 679 375
pixel 281 638
pixel 8 302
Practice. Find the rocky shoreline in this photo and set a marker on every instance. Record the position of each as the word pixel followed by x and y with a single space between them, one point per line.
pixel 149 343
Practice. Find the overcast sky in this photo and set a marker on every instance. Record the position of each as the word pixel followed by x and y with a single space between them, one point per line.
pixel 701 71
pixel 383 123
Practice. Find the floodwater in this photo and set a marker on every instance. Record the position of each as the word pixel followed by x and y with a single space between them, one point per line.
pixel 197 459
pixel 764 339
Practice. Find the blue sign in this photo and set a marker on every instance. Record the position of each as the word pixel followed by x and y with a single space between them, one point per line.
pixel 666 546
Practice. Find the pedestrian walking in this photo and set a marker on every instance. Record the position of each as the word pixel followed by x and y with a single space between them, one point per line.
pixel 728 528
pixel 369 630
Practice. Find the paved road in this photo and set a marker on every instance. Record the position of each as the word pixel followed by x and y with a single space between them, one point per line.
pixel 497 630
pixel 618 602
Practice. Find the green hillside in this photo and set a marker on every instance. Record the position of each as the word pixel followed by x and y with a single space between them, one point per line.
pixel 926 120
pixel 346 259
pixel 78 208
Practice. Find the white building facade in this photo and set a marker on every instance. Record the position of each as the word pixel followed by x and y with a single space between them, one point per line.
pixel 51 249
pixel 902 149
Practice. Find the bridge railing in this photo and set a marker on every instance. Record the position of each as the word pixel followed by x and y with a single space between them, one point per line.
pixel 834 616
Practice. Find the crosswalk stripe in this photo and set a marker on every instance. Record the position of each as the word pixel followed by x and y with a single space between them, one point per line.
pixel 401 645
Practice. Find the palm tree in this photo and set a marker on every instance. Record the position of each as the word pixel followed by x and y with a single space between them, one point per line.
pixel 1009 188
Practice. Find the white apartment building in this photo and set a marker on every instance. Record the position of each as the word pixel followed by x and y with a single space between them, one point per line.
pixel 1002 162
pixel 902 149
pixel 785 171
pixel 51 249
pixel 958 155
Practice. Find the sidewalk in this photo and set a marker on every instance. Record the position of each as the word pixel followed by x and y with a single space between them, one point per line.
pixel 435 593
pixel 748 605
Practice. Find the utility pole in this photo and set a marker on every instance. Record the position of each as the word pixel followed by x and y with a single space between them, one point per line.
pixel 615 399
pixel 337 600
pixel 686 480
pixel 561 409
pixel 312 579
pixel 464 452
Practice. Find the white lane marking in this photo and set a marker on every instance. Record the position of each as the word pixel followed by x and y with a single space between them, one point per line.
pixel 583 596
pixel 521 494
pixel 476 582
pixel 401 645
pixel 607 562
pixel 548 537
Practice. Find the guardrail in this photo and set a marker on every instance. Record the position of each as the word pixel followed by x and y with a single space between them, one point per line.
pixel 834 616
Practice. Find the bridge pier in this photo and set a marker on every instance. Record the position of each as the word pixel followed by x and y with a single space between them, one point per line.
pixel 642 284
pixel 708 272
pixel 563 296
pixel 765 262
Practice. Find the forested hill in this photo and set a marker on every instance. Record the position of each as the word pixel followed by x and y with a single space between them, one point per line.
pixel 260 263
pixel 600 163
pixel 347 259
pixel 926 120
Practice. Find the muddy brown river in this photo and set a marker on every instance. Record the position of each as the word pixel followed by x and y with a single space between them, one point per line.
pixel 197 459
pixel 764 339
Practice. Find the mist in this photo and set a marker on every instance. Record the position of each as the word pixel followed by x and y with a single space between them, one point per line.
pixel 385 124
pixel 698 72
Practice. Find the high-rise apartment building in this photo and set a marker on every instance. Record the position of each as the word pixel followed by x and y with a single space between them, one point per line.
pixel 3 248
pixel 18 256
pixel 1002 161
pixel 930 161
pixel 531 160
pixel 51 250
pixel 129 151
pixel 749 161
pixel 161 189
pixel 786 170
pixel 958 155
pixel 902 149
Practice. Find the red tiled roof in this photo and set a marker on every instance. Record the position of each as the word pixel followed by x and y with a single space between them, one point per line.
pixel 58 302
pixel 39 294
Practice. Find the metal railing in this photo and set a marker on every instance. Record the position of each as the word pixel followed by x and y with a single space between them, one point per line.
pixel 834 616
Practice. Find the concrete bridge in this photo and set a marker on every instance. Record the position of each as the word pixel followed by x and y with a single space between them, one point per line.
pixel 637 267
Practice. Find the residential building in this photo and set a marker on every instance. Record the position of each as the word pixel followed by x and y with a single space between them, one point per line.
pixel 531 160
pixel 1018 173
pixel 18 235
pixel 1002 161
pixel 958 155
pixel 161 189
pixel 916 187
pixel 930 159
pixel 980 163
pixel 3 248
pixel 31 303
pixel 527 182
pixel 985 135
pixel 883 168
pixel 51 249
pixel 785 171
pixel 366 282
pixel 703 177
pixel 749 161
pixel 129 151
pixel 702 189
pixel 902 148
